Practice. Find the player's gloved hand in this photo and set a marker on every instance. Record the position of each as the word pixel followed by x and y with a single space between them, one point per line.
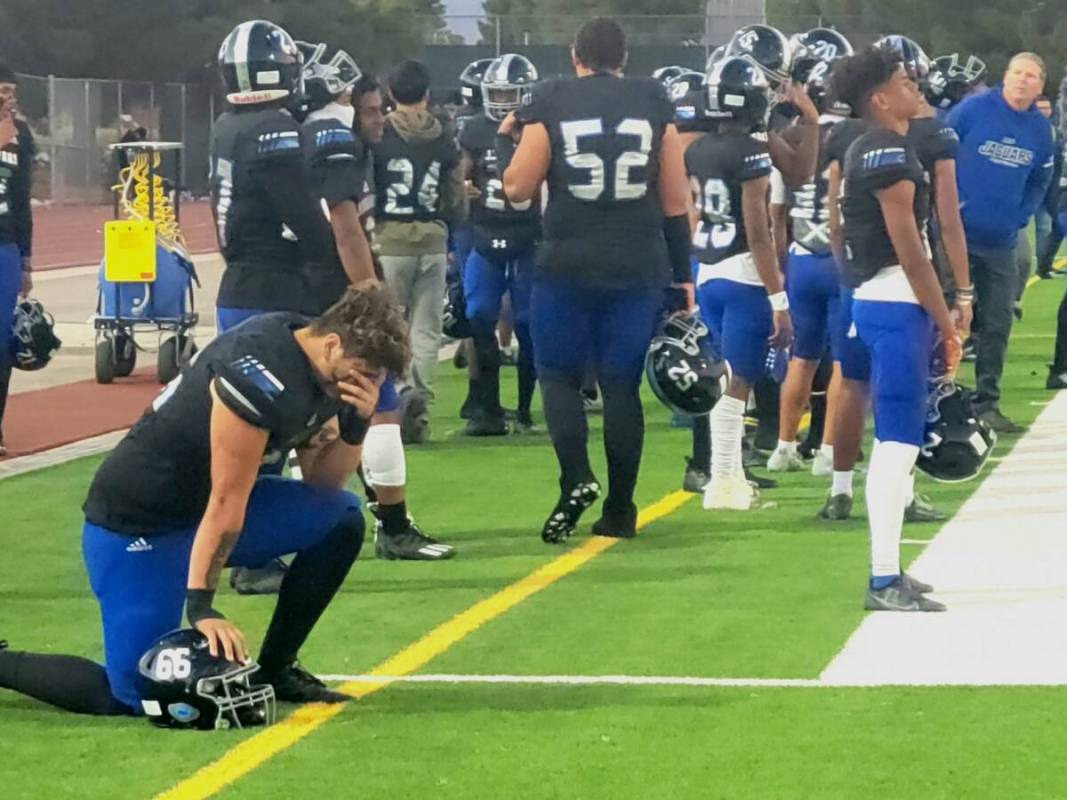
pixel 361 392
pixel 223 637
pixel 473 192
pixel 782 336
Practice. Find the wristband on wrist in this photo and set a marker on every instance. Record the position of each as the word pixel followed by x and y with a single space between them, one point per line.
pixel 198 606
pixel 779 301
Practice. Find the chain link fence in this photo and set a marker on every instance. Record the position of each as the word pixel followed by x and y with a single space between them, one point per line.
pixel 654 41
pixel 75 119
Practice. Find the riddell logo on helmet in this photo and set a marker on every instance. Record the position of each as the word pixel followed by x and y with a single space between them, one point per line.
pixel 247 98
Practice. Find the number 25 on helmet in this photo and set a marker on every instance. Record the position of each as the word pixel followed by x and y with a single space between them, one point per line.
pixel 682 369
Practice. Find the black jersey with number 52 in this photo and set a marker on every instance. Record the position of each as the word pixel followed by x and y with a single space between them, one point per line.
pixel 718 167
pixel 604 220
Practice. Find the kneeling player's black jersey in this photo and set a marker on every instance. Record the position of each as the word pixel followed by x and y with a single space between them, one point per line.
pixel 268 221
pixel 876 161
pixel 603 224
pixel 718 166
pixel 499 224
pixel 158 479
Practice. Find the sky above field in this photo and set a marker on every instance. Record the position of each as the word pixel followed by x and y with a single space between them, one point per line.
pixel 465 27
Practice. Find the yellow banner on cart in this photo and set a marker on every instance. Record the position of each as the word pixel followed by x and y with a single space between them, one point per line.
pixel 130 250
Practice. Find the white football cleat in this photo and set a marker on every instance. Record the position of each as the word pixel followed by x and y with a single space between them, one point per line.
pixel 785 461
pixel 822 466
pixel 730 494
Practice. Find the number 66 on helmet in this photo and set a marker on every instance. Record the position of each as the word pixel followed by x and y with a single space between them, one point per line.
pixel 683 370
pixel 184 686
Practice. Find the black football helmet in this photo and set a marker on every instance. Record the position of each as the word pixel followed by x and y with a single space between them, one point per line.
pixel 33 337
pixel 260 63
pixel 682 369
pixel 814 53
pixel 326 74
pixel 736 88
pixel 470 82
pixel 184 686
pixel 684 83
pixel 950 81
pixel 958 444
pixel 766 47
pixel 667 74
pixel 507 84
pixel 916 62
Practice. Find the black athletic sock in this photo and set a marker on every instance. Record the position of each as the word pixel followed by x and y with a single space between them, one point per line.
pixel 5 385
pixel 702 443
pixel 68 682
pixel 488 386
pixel 394 518
pixel 624 438
pixel 526 370
pixel 568 428
pixel 819 386
pixel 767 392
pixel 310 584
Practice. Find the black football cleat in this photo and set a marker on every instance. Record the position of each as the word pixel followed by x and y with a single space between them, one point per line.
pixel 486 425
pixel 294 684
pixel 564 517
pixel 617 524
pixel 696 477
pixel 409 545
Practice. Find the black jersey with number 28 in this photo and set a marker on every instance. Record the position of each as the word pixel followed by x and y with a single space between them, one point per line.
pixel 718 167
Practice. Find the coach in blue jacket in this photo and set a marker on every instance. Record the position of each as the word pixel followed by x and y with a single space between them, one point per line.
pixel 1003 169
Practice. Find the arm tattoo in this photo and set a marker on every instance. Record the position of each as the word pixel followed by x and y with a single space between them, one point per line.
pixel 219 558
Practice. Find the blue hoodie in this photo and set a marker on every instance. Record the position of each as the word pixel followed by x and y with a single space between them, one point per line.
pixel 1003 168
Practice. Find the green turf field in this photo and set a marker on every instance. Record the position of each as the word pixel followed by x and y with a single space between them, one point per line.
pixel 771 594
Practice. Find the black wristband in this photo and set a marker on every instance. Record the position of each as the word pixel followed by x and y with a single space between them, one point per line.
pixel 679 246
pixel 353 428
pixel 198 605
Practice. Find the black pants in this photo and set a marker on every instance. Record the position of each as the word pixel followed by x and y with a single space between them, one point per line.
pixel 995 275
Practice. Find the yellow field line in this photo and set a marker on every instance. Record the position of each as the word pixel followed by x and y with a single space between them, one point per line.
pixel 257 750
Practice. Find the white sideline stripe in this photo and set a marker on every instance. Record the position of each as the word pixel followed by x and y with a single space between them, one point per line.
pixel 633 680
pixel 1000 566
pixel 578 680
pixel 60 455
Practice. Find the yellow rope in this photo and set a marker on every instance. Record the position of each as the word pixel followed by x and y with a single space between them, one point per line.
pixel 135 203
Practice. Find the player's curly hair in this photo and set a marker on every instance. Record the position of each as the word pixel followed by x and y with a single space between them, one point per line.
pixel 856 78
pixel 370 325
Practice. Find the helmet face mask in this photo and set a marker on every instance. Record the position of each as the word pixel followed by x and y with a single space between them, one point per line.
pixel 949 81
pixel 506 85
pixel 325 80
pixel 683 371
pixel 958 444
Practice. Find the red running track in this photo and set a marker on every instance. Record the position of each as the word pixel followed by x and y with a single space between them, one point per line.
pixel 73 236
pixel 47 418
